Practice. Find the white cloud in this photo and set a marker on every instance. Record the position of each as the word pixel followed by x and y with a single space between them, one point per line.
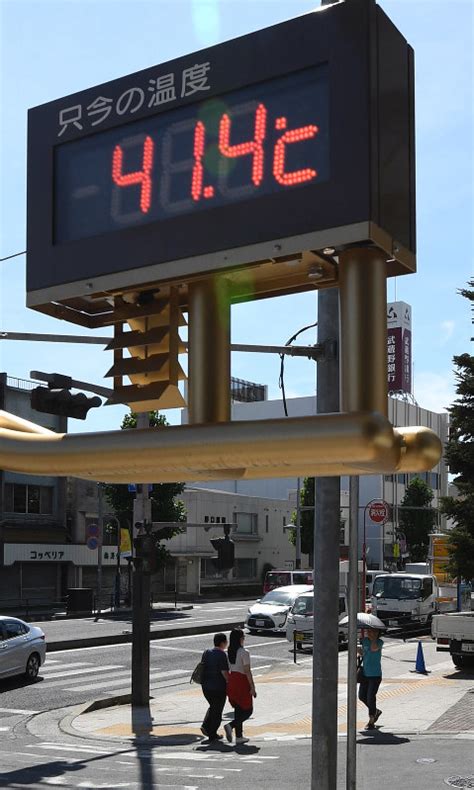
pixel 434 391
pixel 447 329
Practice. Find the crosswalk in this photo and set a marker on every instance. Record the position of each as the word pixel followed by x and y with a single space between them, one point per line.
pixel 109 679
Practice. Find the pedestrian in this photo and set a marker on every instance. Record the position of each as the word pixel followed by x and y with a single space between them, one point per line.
pixel 215 673
pixel 240 688
pixel 371 651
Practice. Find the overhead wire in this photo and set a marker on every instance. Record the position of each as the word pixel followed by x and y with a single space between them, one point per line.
pixel 281 380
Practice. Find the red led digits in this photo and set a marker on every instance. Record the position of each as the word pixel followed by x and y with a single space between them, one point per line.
pixel 142 177
pixel 253 147
pixel 293 136
pixel 198 151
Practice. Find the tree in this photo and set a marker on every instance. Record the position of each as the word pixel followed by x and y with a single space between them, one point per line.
pixel 306 518
pixel 164 504
pixel 459 454
pixel 417 518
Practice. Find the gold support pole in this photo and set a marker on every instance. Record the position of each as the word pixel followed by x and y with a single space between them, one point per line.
pixel 363 317
pixel 209 351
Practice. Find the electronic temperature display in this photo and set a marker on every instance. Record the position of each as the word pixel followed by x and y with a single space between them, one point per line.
pixel 267 138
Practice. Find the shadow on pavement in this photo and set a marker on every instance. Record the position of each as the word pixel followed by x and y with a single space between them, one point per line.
pixel 36 774
pixel 378 738
pixel 18 682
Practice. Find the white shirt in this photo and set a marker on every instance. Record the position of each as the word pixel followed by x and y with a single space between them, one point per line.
pixel 242 660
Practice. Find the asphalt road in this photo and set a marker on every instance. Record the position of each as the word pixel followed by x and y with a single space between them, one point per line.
pixel 200 614
pixel 71 677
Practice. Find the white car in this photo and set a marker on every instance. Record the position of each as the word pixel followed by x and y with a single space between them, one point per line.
pixel 301 620
pixel 22 648
pixel 270 612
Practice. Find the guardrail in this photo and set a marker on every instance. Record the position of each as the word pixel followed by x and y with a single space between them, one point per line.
pixel 32 608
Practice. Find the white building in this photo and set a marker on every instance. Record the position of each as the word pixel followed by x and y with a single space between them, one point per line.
pixel 390 488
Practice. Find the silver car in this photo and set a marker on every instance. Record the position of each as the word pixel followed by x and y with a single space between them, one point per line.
pixel 22 648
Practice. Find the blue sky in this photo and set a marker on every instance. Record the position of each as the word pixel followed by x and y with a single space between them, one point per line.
pixel 53 48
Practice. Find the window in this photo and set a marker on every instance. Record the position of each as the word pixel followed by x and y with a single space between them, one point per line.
pixel 245 568
pixel 303 605
pixel 433 479
pixel 342 535
pixel 13 629
pixel 245 523
pixel 402 479
pixel 20 498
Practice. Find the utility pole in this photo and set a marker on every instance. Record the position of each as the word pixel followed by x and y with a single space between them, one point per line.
pixel 326 565
pixel 100 540
pixel 298 526
pixel 141 598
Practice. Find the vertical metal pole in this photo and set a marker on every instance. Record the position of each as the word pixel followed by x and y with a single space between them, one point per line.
pixel 117 571
pixel 364 562
pixel 298 526
pixel 141 606
pixel 363 306
pixel 209 351
pixel 326 571
pixel 100 538
pixel 353 605
pixel 382 547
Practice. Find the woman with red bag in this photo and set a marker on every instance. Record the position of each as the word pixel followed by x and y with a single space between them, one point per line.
pixel 240 686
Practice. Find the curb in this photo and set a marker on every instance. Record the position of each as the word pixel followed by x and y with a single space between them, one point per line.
pixel 118 639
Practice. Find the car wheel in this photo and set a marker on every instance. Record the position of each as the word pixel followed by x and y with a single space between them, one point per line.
pixel 32 666
pixel 252 631
pixel 463 661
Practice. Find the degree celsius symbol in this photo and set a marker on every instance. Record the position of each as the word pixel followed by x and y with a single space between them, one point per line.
pixel 253 148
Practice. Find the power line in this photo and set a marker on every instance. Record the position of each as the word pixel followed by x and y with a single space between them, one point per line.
pixel 15 255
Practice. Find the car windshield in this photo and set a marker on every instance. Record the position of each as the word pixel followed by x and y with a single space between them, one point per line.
pixel 303 606
pixel 400 589
pixel 278 597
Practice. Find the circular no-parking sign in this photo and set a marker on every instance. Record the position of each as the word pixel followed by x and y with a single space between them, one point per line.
pixel 378 511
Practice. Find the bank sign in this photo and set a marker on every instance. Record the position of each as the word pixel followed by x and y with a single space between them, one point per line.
pixel 399 347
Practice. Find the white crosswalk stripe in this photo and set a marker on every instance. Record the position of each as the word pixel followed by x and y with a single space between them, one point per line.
pixel 112 684
pixel 67 674
pixel 63 665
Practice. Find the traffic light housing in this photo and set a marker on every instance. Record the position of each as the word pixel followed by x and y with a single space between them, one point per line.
pixel 225 553
pixel 63 402
pixel 146 553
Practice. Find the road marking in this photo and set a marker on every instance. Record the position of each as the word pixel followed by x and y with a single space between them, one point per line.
pixel 4 729
pixel 64 665
pixel 179 649
pixel 124 683
pixel 15 711
pixel 87 671
pixel 74 748
pixel 267 643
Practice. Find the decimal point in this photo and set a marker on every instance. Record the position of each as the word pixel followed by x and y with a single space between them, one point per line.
pixel 280 123
pixel 208 192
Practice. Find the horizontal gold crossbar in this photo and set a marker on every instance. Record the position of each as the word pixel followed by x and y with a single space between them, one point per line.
pixel 329 444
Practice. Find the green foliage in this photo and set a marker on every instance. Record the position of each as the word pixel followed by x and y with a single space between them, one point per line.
pixel 417 524
pixel 164 504
pixel 307 518
pixel 459 453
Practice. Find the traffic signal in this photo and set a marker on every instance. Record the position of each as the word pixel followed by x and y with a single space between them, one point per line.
pixel 63 402
pixel 225 553
pixel 146 553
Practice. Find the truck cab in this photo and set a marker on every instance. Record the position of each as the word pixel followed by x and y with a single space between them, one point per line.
pixel 401 599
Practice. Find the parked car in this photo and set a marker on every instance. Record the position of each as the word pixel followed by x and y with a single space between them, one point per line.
pixel 270 612
pixel 301 620
pixel 22 648
pixel 286 578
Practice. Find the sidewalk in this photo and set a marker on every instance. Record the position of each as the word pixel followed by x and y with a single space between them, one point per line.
pixel 439 703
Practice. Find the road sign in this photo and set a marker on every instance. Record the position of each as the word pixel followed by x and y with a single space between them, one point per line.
pixel 272 147
pixel 92 543
pixel 93 530
pixel 379 511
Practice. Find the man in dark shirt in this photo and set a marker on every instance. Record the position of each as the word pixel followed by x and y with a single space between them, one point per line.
pixel 214 685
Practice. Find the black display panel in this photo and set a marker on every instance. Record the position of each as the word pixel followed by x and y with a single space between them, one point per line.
pixel 271 137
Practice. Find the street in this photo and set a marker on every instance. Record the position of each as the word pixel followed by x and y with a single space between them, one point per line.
pixel 45 742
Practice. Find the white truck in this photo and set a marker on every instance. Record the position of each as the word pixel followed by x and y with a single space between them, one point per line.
pixel 454 634
pixel 410 599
